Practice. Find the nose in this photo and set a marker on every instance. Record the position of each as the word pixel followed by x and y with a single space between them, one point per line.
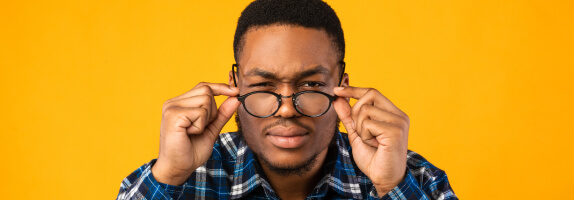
pixel 287 110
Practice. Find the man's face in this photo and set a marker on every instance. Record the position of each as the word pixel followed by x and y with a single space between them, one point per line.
pixel 286 60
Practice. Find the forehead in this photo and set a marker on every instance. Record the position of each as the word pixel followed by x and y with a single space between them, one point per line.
pixel 287 49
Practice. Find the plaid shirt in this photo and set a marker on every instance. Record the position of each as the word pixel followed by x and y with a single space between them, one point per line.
pixel 232 172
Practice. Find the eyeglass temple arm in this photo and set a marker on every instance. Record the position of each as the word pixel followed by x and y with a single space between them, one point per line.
pixel 342 72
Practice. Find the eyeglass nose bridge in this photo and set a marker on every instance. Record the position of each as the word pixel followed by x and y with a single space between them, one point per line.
pixel 285 97
pixel 293 98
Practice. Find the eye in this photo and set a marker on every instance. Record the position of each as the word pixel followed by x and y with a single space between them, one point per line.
pixel 263 84
pixel 312 84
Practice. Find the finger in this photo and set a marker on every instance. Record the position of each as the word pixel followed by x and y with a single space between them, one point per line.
pixel 225 112
pixel 183 119
pixel 365 133
pixel 360 106
pixel 213 110
pixel 200 101
pixel 343 109
pixel 220 88
pixel 378 114
pixel 212 89
pixel 375 133
pixel 351 92
pixel 198 123
pixel 368 96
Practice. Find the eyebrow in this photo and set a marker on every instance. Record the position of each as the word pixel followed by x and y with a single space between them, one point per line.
pixel 269 75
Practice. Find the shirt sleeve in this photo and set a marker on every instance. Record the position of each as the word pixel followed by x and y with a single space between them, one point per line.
pixel 436 187
pixel 142 185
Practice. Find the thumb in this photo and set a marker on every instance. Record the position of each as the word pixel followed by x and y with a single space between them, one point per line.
pixel 225 112
pixel 343 109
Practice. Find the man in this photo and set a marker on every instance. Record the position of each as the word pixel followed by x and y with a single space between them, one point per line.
pixel 289 92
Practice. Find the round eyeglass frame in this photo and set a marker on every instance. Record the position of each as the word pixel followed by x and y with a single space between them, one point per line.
pixel 280 101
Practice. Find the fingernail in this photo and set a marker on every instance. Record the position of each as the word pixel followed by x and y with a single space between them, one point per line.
pixel 339 88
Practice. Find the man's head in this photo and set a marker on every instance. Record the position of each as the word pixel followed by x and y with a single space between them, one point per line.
pixel 286 47
pixel 314 14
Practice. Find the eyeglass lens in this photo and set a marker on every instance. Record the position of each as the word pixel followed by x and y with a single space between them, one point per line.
pixel 265 104
pixel 312 103
pixel 261 104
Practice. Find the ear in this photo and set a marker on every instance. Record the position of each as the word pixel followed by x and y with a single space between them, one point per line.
pixel 345 81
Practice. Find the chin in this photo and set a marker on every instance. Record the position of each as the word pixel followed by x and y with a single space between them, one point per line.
pixel 287 167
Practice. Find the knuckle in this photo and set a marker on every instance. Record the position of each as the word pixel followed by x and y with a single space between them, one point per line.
pixel 402 121
pixel 199 122
pixel 165 106
pixel 364 125
pixel 203 112
pixel 168 103
pixel 405 121
pixel 201 84
pixel 204 89
pixel 396 131
pixel 347 116
pixel 205 100
pixel 169 112
pixel 364 108
pixel 200 88
pixel 366 135
pixel 356 109
pixel 372 91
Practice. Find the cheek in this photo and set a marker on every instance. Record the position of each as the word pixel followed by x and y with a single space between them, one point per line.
pixel 329 119
pixel 248 128
pixel 326 126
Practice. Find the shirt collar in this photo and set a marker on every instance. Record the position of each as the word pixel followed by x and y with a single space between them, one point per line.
pixel 246 178
pixel 341 178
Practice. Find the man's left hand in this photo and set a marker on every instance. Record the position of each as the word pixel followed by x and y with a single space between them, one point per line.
pixel 378 133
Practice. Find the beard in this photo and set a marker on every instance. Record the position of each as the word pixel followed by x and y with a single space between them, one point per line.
pixel 297 169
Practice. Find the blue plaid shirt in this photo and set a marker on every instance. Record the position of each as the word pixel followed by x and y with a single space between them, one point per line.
pixel 232 172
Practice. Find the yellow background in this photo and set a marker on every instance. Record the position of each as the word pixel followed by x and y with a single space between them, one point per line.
pixel 487 84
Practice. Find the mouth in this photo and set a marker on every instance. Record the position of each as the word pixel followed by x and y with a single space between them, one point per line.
pixel 287 137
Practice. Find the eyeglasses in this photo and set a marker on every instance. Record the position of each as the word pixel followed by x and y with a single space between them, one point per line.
pixel 308 103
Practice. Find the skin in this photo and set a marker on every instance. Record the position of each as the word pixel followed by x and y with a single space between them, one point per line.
pixel 275 58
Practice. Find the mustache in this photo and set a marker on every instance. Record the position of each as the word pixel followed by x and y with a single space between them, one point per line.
pixel 286 122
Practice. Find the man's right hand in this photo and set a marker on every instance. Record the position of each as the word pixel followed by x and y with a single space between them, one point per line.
pixel 190 125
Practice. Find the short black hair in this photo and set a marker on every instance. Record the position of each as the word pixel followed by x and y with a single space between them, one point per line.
pixel 305 13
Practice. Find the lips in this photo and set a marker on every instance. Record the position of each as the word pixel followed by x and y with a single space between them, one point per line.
pixel 287 137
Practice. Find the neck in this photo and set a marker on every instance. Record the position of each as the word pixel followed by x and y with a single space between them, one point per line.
pixel 296 186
